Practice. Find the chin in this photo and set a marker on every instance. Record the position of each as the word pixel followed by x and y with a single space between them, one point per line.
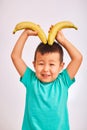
pixel 46 81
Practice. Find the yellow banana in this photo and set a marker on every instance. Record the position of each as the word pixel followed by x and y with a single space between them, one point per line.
pixel 32 26
pixel 58 26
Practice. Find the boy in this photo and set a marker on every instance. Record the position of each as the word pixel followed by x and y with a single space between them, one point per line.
pixel 47 87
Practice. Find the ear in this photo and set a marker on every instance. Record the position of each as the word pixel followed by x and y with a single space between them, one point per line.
pixel 33 64
pixel 62 65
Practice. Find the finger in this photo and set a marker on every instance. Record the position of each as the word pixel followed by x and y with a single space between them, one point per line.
pixel 35 33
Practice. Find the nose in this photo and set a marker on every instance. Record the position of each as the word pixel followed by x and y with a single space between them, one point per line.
pixel 46 68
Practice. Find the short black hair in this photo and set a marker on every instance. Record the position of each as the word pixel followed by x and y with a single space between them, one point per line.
pixel 46 48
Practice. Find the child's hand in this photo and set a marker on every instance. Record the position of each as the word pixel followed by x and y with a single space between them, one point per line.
pixel 31 32
pixel 60 37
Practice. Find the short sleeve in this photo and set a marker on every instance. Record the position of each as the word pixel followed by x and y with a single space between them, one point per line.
pixel 66 78
pixel 26 78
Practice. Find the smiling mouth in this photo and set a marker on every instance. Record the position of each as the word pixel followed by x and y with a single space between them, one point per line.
pixel 45 75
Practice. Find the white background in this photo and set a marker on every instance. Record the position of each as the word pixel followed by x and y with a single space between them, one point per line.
pixel 45 13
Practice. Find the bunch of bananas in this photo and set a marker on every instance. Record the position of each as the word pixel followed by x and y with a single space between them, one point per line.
pixel 52 34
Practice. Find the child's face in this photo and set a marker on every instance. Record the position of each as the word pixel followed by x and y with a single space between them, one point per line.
pixel 47 66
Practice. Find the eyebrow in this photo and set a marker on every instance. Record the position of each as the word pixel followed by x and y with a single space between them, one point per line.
pixel 43 60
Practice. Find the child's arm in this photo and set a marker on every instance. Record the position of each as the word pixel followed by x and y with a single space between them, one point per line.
pixel 16 54
pixel 75 55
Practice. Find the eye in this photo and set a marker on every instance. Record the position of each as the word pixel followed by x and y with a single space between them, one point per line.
pixel 41 64
pixel 52 64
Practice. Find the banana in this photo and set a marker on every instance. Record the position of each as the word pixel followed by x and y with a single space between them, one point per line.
pixel 32 26
pixel 58 26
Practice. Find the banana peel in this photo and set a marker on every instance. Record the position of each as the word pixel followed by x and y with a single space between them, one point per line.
pixel 32 26
pixel 57 27
pixel 52 34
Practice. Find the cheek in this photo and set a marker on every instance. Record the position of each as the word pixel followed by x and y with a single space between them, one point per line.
pixel 55 70
pixel 38 69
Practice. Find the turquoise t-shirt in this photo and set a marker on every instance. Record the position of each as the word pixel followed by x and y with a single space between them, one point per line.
pixel 46 103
